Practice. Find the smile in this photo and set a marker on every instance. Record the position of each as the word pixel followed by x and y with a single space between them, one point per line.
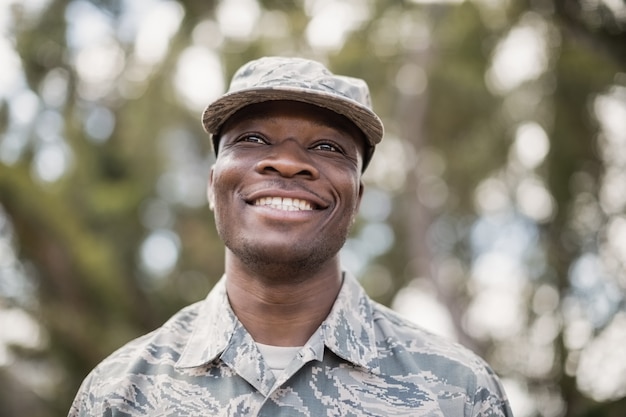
pixel 287 204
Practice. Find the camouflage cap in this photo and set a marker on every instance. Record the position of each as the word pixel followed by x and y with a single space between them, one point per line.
pixel 297 79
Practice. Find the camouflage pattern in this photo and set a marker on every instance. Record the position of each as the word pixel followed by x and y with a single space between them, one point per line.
pixel 297 79
pixel 364 360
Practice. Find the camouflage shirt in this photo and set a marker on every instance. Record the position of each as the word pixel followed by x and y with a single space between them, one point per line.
pixel 364 360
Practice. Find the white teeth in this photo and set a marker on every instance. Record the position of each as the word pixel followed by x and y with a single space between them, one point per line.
pixel 288 204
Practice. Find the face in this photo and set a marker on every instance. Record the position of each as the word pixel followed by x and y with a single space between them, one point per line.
pixel 286 184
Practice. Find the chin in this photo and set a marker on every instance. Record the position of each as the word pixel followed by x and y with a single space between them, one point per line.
pixel 284 257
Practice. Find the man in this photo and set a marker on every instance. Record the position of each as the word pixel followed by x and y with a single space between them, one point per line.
pixel 286 332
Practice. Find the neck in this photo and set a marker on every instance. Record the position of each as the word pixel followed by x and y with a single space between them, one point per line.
pixel 280 307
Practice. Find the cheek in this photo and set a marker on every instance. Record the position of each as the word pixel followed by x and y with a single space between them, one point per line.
pixel 219 183
pixel 352 197
pixel 226 182
pixel 225 172
pixel 220 197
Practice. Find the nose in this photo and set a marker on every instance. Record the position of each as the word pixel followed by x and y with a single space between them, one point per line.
pixel 288 159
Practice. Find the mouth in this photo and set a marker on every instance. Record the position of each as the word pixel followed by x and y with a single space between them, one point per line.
pixel 285 203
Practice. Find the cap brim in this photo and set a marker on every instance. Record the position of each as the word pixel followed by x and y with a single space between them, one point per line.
pixel 216 114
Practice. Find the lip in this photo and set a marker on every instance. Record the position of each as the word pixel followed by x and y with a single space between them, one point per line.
pixel 316 202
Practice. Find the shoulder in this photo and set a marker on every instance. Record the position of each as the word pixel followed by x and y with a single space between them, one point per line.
pixel 163 345
pixel 399 337
pixel 168 339
pixel 442 365
pixel 397 329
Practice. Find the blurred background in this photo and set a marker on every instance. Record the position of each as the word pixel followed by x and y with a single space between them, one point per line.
pixel 494 213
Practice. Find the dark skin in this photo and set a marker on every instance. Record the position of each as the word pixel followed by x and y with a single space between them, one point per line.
pixel 285 189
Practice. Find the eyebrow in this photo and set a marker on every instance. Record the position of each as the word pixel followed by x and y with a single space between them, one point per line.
pixel 337 122
pixel 340 124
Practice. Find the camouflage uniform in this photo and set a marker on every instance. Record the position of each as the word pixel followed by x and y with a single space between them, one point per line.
pixel 364 360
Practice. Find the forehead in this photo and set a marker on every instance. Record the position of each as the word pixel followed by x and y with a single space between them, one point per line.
pixel 273 110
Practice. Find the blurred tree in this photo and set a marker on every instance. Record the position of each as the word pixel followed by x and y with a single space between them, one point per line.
pixel 103 163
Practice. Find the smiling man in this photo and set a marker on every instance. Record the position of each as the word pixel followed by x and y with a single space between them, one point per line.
pixel 287 332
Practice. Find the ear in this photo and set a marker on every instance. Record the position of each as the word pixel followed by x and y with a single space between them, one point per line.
pixel 209 191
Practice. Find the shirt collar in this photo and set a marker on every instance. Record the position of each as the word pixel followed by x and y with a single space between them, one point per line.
pixel 212 329
pixel 348 331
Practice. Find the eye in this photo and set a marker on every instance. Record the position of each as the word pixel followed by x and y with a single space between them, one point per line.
pixel 328 147
pixel 252 138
